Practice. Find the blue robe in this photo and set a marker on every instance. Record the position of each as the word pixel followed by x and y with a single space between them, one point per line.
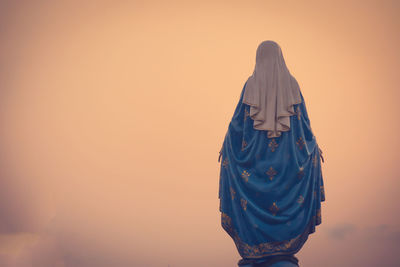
pixel 270 189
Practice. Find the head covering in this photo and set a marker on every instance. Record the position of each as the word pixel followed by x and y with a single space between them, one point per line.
pixel 271 91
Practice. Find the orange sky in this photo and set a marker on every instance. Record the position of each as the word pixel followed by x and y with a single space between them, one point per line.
pixel 112 114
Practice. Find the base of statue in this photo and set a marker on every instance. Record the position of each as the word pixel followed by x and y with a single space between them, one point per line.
pixel 271 261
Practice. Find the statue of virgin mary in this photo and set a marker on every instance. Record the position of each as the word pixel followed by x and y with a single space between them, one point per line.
pixel 271 184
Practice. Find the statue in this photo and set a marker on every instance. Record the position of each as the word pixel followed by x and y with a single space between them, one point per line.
pixel 271 185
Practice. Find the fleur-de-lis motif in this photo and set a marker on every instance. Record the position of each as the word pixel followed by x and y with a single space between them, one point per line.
pixel 300 142
pixel 322 192
pixel 274 208
pixel 300 174
pixel 298 111
pixel 246 114
pixel 318 216
pixel 271 173
pixel 245 175
pixel 273 144
pixel 300 200
pixel 225 163
pixel 315 160
pixel 286 187
pixel 243 202
pixel 244 144
pixel 233 193
pixel 315 193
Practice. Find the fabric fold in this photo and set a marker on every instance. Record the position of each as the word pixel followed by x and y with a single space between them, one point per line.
pixel 271 91
pixel 271 188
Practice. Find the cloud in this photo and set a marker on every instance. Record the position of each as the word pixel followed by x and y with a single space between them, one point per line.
pixel 384 232
pixel 341 230
pixel 58 249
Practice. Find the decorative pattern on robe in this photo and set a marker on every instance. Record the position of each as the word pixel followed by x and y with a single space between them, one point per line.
pixel 270 189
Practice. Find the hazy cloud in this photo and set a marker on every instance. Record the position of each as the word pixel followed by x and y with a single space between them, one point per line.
pixel 384 232
pixel 341 230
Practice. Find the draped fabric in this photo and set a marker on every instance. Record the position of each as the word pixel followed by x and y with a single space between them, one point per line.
pixel 271 91
pixel 270 189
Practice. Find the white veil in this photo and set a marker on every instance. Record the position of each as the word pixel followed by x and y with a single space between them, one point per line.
pixel 271 91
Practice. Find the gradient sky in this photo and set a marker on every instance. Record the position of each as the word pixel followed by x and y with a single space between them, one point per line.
pixel 112 114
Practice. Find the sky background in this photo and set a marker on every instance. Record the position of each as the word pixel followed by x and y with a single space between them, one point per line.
pixel 112 114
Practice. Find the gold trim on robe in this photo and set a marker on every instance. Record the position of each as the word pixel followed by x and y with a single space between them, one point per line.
pixel 269 248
